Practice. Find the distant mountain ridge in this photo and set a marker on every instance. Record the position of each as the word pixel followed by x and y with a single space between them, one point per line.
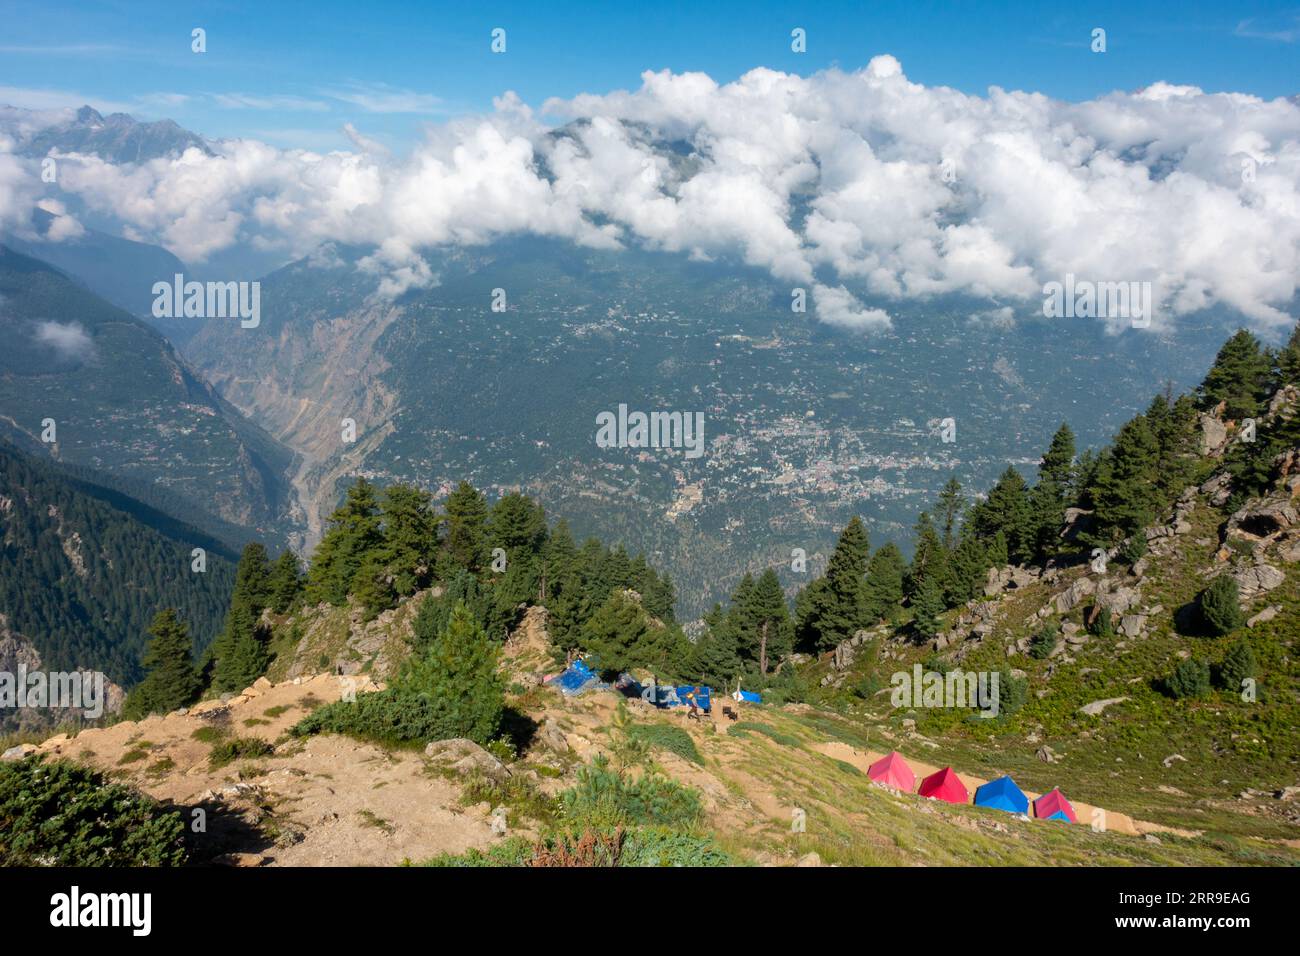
pixel 117 138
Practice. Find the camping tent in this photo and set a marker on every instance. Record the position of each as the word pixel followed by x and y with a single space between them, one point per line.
pixel 1053 806
pixel 893 771
pixel 944 785
pixel 1002 794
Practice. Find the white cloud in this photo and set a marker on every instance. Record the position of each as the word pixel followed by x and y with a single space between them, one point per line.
pixel 69 339
pixel 382 98
pixel 865 186
pixel 250 101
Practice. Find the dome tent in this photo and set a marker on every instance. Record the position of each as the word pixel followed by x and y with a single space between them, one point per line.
pixel 1053 806
pixel 892 770
pixel 944 785
pixel 1002 794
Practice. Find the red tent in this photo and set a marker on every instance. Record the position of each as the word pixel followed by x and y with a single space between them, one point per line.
pixel 944 785
pixel 893 771
pixel 1054 806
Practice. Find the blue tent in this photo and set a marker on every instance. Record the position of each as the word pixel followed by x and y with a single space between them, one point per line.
pixel 576 679
pixel 1003 794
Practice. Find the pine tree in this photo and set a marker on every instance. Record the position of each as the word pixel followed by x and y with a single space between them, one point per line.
pixel 770 617
pixel 285 582
pixel 883 591
pixel 1220 606
pixel 927 605
pixel 243 656
pixel 1007 510
pixel 966 569
pixel 1123 493
pixel 1239 377
pixel 354 534
pixel 950 506
pixel 457 674
pixel 620 637
pixel 834 609
pixel 517 525
pixel 1238 666
pixel 434 614
pixel 716 657
pixel 170 680
pixel 928 558
pixel 466 519
pixel 1053 491
pixel 410 538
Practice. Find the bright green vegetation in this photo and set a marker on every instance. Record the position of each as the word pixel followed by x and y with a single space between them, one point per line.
pixel 61 814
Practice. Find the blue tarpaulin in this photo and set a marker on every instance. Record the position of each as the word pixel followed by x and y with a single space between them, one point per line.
pixel 665 695
pixel 750 696
pixel 576 679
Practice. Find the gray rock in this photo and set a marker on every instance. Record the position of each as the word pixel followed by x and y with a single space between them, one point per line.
pixel 1258 579
pixel 1132 625
pixel 18 752
pixel 1070 598
pixel 1267 614
pixel 465 756
pixel 1095 708
pixel 1046 754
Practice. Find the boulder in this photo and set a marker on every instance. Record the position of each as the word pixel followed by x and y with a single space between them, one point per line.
pixel 1071 597
pixel 465 756
pixel 1258 579
pixel 18 752
pixel 1119 600
pixel 1267 614
pixel 1046 754
pixel 1213 435
pixel 1096 708
pixel 1132 625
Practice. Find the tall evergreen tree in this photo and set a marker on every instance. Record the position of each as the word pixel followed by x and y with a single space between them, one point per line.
pixel 410 537
pixel 285 582
pixel 170 679
pixel 949 508
pixel 1239 377
pixel 1124 493
pixel 835 606
pixel 354 534
pixel 466 519
pixel 770 618
pixel 1007 510
pixel 928 556
pixel 457 674
pixel 883 591
pixel 1053 491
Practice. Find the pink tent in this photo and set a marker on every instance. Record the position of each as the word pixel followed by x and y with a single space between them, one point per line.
pixel 1054 806
pixel 893 771
pixel 944 785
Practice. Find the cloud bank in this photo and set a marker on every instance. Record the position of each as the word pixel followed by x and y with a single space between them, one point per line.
pixel 862 187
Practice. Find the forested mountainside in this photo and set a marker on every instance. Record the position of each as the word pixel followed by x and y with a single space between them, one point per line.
pixel 92 385
pixel 84 569
pixel 804 425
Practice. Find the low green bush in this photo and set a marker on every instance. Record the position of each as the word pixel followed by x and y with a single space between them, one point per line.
pixel 62 814
pixel 604 799
pixel 670 738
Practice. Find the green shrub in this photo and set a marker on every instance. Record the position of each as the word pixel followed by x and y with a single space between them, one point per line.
pixel 603 799
pixel 61 814
pixel 387 717
pixel 1191 678
pixel 238 748
pixel 1220 606
pixel 1102 625
pixel 1238 665
pixel 514 851
pixel 1134 549
pixel 670 738
pixel 657 846
pixel 767 730
pixel 1043 643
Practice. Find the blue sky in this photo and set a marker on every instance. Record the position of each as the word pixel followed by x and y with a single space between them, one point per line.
pixel 293 73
